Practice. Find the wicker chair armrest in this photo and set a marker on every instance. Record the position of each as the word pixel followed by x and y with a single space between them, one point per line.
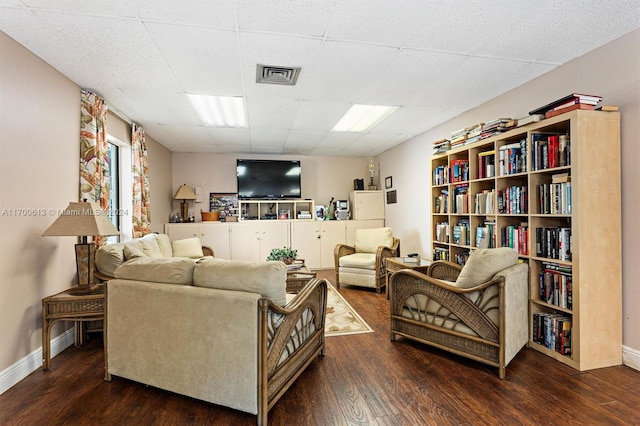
pixel 407 285
pixel 444 270
pixel 208 251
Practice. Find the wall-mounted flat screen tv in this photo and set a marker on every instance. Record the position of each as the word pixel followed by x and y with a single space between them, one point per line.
pixel 270 179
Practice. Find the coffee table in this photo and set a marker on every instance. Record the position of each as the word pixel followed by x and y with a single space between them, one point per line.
pixel 298 277
pixel 394 264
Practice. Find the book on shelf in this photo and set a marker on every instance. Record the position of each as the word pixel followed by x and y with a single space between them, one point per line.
pixel 482 237
pixel 560 177
pixel 533 118
pixel 576 97
pixel 607 108
pixel 553 113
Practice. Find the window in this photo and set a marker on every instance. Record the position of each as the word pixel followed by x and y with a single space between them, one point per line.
pixel 120 188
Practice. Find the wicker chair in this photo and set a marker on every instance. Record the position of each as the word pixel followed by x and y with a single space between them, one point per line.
pixel 363 264
pixel 486 322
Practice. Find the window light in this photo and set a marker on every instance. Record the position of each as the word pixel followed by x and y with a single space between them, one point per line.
pixel 220 111
pixel 361 118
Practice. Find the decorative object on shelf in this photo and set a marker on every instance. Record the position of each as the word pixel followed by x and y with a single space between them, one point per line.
pixel 284 254
pixel 388 182
pixel 184 193
pixel 392 197
pixel 82 219
pixel 372 186
pixel 358 184
pixel 210 216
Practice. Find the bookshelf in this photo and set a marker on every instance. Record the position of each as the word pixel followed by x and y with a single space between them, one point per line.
pixel 551 190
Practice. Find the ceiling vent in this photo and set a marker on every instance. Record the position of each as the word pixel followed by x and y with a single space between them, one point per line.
pixel 270 74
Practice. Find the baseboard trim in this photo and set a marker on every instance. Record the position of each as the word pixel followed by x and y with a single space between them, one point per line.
pixel 30 363
pixel 631 357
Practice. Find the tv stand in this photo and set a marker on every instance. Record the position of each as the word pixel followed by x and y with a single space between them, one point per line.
pixel 276 209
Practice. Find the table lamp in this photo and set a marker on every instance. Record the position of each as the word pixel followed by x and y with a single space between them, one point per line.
pixel 82 219
pixel 184 193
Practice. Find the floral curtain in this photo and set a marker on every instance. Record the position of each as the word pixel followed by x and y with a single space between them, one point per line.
pixel 140 172
pixel 94 159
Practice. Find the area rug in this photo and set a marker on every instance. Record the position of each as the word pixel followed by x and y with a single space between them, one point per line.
pixel 341 318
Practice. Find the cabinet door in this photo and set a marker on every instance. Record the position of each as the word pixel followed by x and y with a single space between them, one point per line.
pixel 306 238
pixel 216 235
pixel 367 204
pixel 180 231
pixel 272 235
pixel 332 233
pixel 245 241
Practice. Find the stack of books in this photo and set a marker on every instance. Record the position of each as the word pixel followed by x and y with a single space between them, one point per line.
pixel 568 103
pixel 496 126
pixel 441 145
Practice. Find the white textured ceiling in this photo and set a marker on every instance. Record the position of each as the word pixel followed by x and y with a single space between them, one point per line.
pixel 433 58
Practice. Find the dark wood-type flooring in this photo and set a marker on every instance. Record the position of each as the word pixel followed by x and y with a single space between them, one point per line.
pixel 362 380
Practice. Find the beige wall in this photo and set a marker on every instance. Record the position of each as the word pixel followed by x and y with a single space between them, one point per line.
pixel 322 177
pixel 613 72
pixel 39 169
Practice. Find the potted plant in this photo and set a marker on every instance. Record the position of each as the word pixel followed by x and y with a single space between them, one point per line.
pixel 284 254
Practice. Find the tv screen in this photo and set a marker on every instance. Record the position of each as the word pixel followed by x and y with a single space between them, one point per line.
pixel 268 179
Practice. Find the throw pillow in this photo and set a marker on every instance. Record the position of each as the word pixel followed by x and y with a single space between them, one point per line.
pixel 132 252
pixel 368 240
pixel 165 245
pixel 150 247
pixel 189 247
pixel 483 264
pixel 268 279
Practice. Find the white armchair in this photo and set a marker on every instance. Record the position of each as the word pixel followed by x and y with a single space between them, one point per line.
pixel 363 263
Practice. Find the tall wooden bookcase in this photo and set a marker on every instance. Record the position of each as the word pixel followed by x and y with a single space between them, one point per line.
pixel 593 223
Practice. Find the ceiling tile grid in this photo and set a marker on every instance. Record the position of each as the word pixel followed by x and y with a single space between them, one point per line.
pixel 434 59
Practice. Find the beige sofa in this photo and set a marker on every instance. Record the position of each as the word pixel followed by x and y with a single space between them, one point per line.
pixel 479 311
pixel 217 330
pixel 154 246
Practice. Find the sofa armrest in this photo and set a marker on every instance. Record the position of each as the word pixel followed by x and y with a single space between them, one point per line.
pixel 290 338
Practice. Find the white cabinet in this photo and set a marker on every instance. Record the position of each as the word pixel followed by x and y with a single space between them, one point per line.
pixel 316 240
pixel 352 225
pixel 366 205
pixel 212 234
pixel 254 240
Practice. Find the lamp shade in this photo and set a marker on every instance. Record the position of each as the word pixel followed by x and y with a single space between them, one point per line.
pixel 185 193
pixel 81 219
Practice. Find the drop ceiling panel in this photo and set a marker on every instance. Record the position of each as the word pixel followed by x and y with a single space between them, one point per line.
pixel 218 14
pixel 206 61
pixel 305 17
pixel 348 71
pixel 275 112
pixel 314 115
pixel 114 8
pixel 165 107
pixel 229 136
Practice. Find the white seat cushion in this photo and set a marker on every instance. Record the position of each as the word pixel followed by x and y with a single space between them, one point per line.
pixel 359 260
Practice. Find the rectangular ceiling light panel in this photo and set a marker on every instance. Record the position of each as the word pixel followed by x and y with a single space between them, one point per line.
pixel 361 118
pixel 220 111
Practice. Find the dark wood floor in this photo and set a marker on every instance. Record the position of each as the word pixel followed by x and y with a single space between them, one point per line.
pixel 362 380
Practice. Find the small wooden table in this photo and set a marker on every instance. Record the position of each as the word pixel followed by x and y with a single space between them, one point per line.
pixel 67 307
pixel 394 264
pixel 298 277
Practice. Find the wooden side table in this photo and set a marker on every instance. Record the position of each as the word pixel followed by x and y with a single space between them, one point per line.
pixel 394 264
pixel 299 277
pixel 66 307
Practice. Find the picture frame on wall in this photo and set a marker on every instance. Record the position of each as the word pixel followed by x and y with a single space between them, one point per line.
pixel 392 197
pixel 388 182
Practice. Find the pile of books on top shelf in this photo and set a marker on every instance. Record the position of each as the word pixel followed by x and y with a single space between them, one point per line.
pixel 441 145
pixel 496 126
pixel 466 136
pixel 568 103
